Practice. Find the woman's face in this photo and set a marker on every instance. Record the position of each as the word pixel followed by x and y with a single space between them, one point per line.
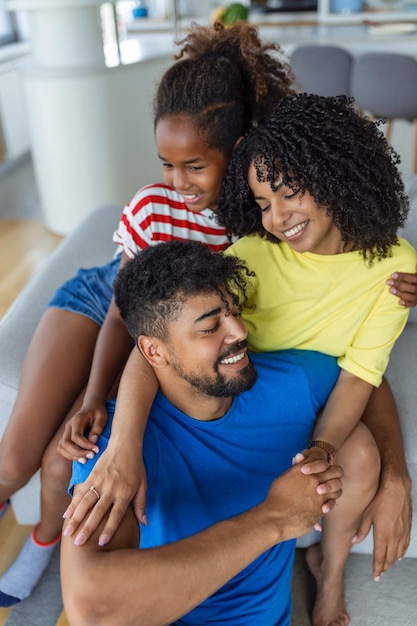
pixel 294 217
pixel 189 165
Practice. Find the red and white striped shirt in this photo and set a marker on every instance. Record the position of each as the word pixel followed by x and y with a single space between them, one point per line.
pixel 158 213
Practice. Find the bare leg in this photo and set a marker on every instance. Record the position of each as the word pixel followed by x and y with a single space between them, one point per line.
pixel 359 458
pixel 55 370
pixel 55 477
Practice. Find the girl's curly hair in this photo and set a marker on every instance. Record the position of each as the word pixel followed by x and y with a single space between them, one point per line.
pixel 321 145
pixel 226 79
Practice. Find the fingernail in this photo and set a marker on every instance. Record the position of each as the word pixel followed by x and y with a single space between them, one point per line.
pixel 354 538
pixel 94 438
pixel 82 460
pixel 96 449
pixel 68 530
pixel 390 282
pixel 321 489
pixel 395 275
pixel 144 520
pixel 89 455
pixel 65 514
pixel 79 540
pixel 103 540
pixel 377 579
pixel 393 290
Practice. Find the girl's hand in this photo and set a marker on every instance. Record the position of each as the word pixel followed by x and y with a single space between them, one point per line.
pixel 118 477
pixel 74 445
pixel 404 286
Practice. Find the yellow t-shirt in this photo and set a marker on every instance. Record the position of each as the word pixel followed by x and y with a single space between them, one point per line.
pixel 335 304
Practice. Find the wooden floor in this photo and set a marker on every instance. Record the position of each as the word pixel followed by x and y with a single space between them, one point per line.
pixel 24 245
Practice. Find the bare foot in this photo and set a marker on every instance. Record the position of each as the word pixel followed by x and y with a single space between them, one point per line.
pixel 329 607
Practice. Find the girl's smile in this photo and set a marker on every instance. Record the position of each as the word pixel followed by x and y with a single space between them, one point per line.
pixel 192 168
pixel 294 217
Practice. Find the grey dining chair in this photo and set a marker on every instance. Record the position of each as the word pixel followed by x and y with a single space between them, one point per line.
pixel 384 84
pixel 322 69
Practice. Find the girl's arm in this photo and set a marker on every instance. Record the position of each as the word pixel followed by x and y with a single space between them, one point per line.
pixel 404 286
pixel 119 473
pixel 111 352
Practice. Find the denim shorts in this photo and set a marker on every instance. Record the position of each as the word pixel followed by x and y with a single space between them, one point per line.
pixel 89 292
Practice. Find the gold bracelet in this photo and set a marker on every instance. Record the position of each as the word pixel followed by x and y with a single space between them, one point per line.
pixel 324 445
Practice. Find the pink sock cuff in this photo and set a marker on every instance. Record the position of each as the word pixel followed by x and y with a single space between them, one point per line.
pixel 41 544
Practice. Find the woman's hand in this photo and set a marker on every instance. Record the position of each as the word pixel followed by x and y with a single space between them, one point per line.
pixel 74 444
pixel 404 286
pixel 118 478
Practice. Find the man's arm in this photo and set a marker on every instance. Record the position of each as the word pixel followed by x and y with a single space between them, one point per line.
pixel 391 510
pixel 121 584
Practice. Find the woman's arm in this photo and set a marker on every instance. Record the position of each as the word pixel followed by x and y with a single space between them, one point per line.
pixel 119 473
pixel 343 409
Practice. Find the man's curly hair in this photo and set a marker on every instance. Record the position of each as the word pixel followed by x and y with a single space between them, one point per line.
pixel 151 289
pixel 321 145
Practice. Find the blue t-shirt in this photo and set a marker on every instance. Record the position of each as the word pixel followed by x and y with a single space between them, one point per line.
pixel 200 473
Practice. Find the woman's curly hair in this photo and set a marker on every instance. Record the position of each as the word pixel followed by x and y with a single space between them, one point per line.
pixel 321 145
pixel 151 288
pixel 226 79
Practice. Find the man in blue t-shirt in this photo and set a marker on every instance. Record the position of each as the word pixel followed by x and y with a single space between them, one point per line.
pixel 220 541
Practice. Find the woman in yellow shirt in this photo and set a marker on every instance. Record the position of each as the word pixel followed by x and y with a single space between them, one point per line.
pixel 317 191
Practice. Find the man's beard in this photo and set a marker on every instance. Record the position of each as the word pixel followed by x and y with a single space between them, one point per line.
pixel 219 385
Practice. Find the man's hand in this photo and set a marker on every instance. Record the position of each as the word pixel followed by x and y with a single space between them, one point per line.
pixel 118 479
pixel 302 495
pixel 390 513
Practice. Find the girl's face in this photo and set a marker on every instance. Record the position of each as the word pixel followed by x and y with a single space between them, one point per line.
pixel 190 166
pixel 295 218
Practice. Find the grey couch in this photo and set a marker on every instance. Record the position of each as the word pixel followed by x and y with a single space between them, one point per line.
pixel 90 244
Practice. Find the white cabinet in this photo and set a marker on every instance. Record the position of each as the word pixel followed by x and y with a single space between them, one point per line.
pixel 14 126
pixel 373 11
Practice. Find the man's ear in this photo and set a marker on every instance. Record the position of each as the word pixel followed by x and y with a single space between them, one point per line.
pixel 153 350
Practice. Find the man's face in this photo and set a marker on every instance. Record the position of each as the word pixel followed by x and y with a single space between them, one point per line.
pixel 207 347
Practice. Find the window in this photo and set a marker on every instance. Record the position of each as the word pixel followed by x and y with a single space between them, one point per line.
pixel 8 31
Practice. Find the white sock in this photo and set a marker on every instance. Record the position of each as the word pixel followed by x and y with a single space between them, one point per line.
pixel 19 580
pixel 3 508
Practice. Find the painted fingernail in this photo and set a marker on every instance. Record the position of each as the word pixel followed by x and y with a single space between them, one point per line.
pixel 68 530
pixel 79 540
